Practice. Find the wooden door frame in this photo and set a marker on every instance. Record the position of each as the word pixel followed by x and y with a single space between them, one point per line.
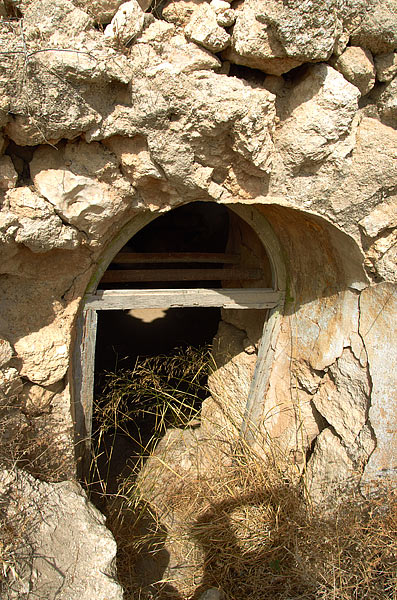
pixel 242 298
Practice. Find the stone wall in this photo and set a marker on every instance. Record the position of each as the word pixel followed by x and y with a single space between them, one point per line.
pixel 107 112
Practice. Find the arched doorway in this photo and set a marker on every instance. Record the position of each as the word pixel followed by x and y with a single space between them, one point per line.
pixel 237 268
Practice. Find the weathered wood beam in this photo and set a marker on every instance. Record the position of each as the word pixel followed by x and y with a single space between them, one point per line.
pixel 125 258
pixel 241 298
pixel 139 275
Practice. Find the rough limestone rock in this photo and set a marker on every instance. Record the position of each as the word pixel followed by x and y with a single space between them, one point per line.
pixel 68 552
pixel 343 398
pixel 61 111
pixel 47 19
pixel 41 339
pixel 255 45
pixel 382 256
pixel 381 218
pixel 225 16
pixel 386 66
pixel 387 104
pixel 49 103
pixel 357 66
pixel 317 119
pixel 277 36
pixel 83 184
pixel 203 29
pixel 136 162
pixel 166 50
pixel 330 470
pixel 180 11
pixel 101 11
pixel 377 30
pixel 380 228
pixel 234 366
pixel 36 400
pixel 36 225
pixel 126 24
pixel 99 65
pixel 6 352
pixel 11 384
pixel 8 174
pixel 378 330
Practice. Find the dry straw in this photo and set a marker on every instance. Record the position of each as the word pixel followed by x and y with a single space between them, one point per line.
pixel 235 520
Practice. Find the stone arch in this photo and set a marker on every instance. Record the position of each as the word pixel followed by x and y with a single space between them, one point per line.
pixel 257 221
pixel 319 269
pixel 83 381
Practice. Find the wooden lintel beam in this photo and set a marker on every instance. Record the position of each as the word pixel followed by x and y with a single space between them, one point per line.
pixel 126 258
pixel 241 298
pixel 140 275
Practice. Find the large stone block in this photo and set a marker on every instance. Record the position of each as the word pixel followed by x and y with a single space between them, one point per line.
pixel 357 66
pixel 378 305
pixel 203 29
pixel 84 185
pixel 320 111
pixel 69 553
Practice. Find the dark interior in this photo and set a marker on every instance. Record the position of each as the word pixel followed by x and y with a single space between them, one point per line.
pixel 123 336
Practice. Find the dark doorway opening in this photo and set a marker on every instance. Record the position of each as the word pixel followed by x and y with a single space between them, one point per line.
pixel 129 341
pixel 204 256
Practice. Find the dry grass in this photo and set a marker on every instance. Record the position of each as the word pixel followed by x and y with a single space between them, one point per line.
pixel 244 525
pixel 169 388
pixel 263 541
pixel 23 445
pixel 249 532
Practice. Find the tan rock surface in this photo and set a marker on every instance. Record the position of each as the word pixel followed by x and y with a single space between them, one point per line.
pixel 255 45
pixel 6 352
pixel 10 385
pixel 381 257
pixel 378 304
pixel 357 66
pixel 101 11
pixel 180 11
pixel 166 50
pixel 43 18
pixel 8 174
pixel 203 29
pixel 36 224
pixel 377 30
pixel 41 339
pixel 387 103
pixel 321 111
pixel 72 552
pixel 230 383
pixel 276 37
pixel 343 398
pixel 126 24
pixel 225 16
pixel 83 184
pixel 386 66
pixel 48 109
pixel 383 216
pixel 329 470
pixel 134 157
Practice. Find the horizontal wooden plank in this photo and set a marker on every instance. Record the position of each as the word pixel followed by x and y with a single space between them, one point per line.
pixel 126 258
pixel 241 298
pixel 139 275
